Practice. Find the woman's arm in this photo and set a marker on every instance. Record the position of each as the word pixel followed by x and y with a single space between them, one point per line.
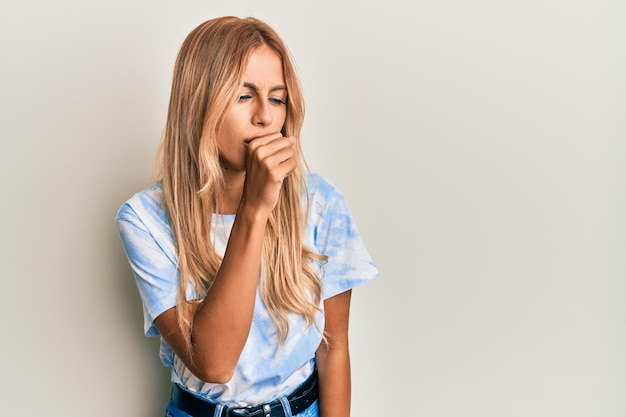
pixel 219 326
pixel 333 358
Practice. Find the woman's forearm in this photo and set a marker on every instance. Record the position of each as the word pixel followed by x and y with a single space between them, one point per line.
pixel 333 358
pixel 222 322
pixel 335 382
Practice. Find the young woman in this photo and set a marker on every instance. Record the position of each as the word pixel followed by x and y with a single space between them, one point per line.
pixel 244 260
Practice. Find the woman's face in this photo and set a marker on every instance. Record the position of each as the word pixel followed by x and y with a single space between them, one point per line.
pixel 260 108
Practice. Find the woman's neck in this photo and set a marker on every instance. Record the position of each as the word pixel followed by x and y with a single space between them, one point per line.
pixel 231 197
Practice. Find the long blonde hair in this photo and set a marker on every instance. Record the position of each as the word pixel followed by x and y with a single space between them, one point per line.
pixel 207 76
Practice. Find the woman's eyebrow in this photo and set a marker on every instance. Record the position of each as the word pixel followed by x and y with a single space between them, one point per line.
pixel 255 88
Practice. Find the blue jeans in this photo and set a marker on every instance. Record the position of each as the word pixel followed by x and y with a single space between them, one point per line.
pixel 311 411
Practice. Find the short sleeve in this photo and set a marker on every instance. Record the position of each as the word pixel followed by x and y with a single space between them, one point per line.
pixel 147 242
pixel 336 235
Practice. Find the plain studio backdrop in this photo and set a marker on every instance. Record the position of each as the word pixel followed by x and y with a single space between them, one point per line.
pixel 482 149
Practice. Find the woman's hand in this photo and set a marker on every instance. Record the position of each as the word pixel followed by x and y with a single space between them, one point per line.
pixel 269 160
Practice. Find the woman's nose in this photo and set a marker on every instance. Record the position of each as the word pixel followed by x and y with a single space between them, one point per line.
pixel 262 114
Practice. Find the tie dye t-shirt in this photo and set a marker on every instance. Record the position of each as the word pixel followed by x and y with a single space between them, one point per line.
pixel 263 371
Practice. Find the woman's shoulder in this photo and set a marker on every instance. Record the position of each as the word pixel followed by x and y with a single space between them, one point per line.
pixel 324 194
pixel 319 185
pixel 145 203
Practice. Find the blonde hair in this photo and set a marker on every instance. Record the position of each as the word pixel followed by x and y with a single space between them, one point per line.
pixel 207 76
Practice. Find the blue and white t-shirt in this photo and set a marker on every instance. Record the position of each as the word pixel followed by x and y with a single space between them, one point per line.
pixel 263 372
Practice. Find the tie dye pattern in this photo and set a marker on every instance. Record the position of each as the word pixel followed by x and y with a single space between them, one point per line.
pixel 263 372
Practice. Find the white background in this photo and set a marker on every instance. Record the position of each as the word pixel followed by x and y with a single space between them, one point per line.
pixel 481 146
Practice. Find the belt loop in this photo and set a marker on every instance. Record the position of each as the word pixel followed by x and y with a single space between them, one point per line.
pixel 286 406
pixel 218 410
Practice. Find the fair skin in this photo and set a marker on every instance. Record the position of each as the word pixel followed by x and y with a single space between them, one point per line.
pixel 256 159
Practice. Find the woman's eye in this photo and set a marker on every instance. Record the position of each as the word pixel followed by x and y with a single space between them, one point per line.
pixel 276 100
pixel 244 97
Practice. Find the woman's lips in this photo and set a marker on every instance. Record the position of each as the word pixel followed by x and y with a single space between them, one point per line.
pixel 247 141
